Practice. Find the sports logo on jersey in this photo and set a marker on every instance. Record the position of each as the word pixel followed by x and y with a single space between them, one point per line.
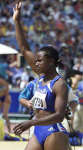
pixel 51 129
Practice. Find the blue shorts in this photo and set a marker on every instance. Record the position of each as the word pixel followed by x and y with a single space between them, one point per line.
pixel 2 98
pixel 42 132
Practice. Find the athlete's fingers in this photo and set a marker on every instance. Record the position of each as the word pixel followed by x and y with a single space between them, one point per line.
pixel 18 132
pixel 17 127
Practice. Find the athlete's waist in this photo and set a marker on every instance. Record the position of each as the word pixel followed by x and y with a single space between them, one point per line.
pixel 41 113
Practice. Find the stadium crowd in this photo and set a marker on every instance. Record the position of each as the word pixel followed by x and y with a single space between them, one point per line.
pixel 59 23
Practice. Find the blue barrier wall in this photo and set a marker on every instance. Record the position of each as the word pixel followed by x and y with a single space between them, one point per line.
pixel 14 107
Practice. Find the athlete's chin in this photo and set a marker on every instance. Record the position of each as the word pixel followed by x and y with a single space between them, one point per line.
pixel 39 71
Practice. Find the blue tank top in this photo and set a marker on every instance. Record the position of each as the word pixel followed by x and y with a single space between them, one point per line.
pixel 44 98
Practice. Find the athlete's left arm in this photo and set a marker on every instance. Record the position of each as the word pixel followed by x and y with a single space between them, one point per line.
pixel 61 91
pixel 61 97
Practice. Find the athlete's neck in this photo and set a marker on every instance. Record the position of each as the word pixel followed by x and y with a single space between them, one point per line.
pixel 50 76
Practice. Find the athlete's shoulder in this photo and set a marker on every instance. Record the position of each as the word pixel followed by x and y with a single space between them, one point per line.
pixel 53 81
pixel 61 84
pixel 61 81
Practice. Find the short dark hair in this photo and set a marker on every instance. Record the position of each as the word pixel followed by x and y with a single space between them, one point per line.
pixel 51 52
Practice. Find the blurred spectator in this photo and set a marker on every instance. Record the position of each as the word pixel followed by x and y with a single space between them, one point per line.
pixel 68 7
pixel 78 116
pixel 73 78
pixel 76 77
pixel 78 65
pixel 26 77
pixel 72 104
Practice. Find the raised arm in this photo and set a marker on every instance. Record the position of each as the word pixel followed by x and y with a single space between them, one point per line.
pixel 23 44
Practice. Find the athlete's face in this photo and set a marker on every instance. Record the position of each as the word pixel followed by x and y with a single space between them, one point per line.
pixel 42 62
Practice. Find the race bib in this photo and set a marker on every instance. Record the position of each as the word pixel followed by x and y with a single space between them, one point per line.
pixel 38 100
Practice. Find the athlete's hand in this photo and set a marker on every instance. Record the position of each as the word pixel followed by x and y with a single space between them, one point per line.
pixel 20 128
pixel 29 104
pixel 17 11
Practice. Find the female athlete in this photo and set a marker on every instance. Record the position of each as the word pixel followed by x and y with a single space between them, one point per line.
pixel 49 96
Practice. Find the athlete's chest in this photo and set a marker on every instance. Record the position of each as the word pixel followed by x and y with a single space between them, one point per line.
pixel 42 96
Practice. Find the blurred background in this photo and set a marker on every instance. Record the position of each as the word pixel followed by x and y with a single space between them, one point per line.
pixel 56 22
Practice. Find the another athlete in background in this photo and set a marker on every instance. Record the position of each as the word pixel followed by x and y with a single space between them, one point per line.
pixel 5 101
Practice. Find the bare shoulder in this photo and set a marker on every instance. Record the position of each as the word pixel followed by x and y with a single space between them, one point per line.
pixel 60 82
pixel 60 85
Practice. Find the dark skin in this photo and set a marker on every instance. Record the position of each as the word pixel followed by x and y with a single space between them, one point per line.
pixel 45 117
pixel 60 102
pixel 5 84
pixel 42 65
pixel 23 44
